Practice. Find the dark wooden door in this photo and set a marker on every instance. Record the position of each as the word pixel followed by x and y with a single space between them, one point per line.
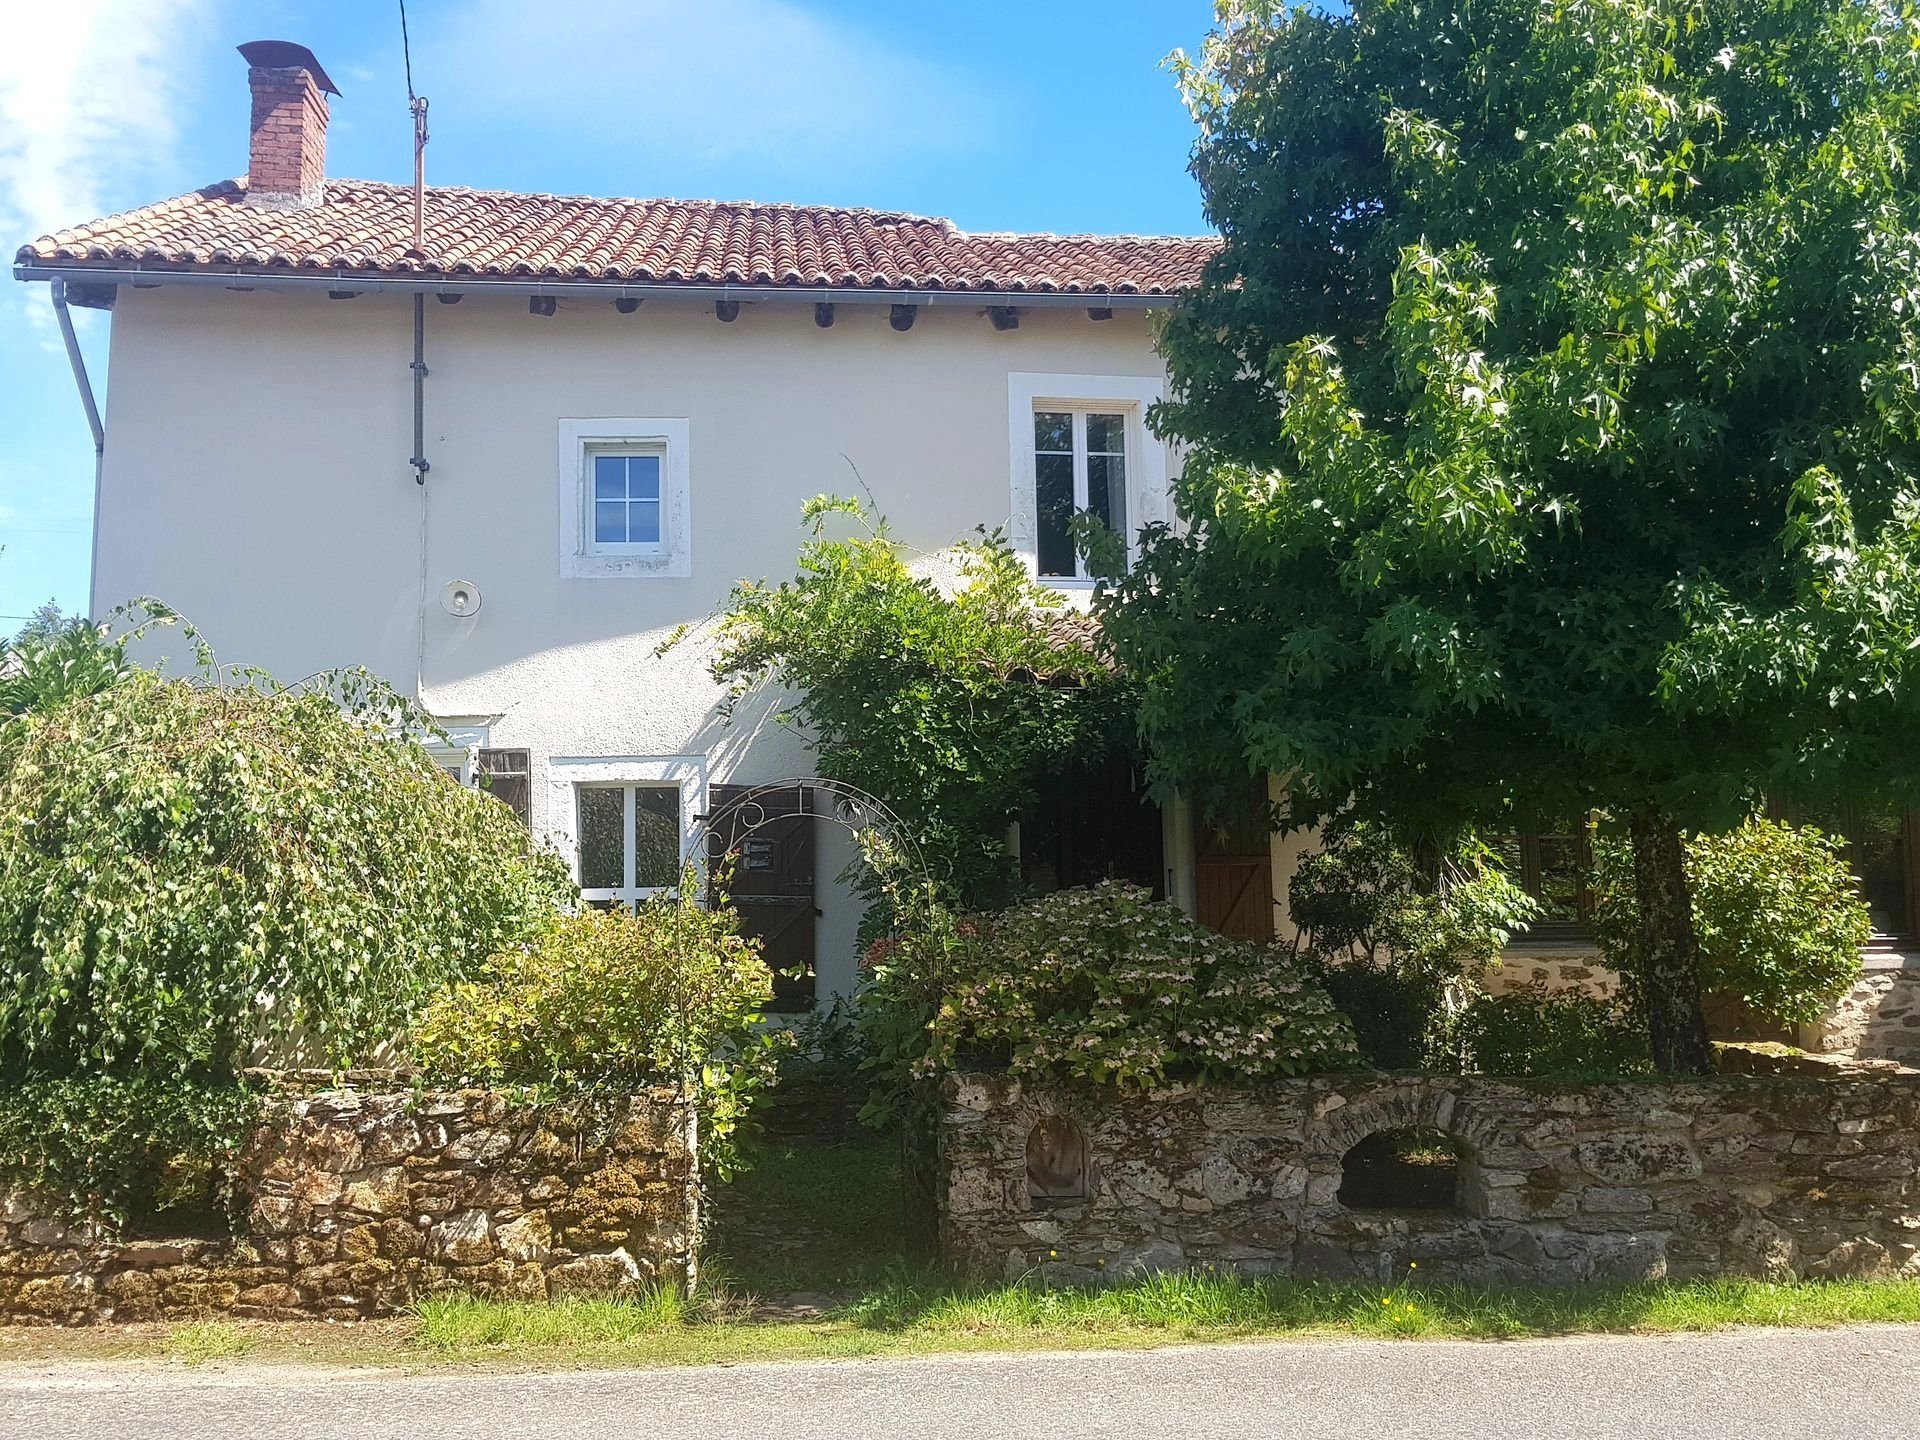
pixel 760 858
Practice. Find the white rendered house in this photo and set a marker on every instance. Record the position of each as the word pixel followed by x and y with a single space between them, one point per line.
pixel 618 409
pixel 497 447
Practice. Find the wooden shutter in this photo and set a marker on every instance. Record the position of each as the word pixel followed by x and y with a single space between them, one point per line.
pixel 760 858
pixel 1233 894
pixel 507 775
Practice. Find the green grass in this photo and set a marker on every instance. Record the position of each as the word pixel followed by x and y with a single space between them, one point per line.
pixel 917 1316
pixel 1215 1307
pixel 206 1340
pixel 809 1216
pixel 461 1322
pixel 912 1317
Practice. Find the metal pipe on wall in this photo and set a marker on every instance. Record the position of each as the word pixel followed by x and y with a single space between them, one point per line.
pixel 58 290
pixel 419 368
pixel 420 468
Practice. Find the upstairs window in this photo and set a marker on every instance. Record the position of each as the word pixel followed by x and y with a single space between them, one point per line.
pixel 1080 446
pixel 626 500
pixel 630 841
pixel 624 503
pixel 1079 466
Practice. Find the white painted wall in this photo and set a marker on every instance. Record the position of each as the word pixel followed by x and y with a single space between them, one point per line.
pixel 256 479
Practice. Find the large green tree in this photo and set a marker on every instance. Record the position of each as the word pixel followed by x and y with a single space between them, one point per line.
pixel 1553 423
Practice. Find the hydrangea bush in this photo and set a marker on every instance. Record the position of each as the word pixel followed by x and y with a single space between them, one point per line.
pixel 1108 985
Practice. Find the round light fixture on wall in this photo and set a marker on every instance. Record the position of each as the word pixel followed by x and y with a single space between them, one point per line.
pixel 460 598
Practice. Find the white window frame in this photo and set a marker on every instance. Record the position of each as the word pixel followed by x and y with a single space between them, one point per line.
pixel 581 558
pixel 567 775
pixel 1146 491
pixel 459 753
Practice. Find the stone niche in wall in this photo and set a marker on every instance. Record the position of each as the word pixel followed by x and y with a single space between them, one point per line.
pixel 362 1201
pixel 1469 1178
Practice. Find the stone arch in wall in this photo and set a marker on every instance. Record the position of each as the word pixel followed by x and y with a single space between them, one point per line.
pixel 1333 1136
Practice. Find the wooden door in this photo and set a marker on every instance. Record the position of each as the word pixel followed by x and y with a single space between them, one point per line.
pixel 1233 878
pixel 760 857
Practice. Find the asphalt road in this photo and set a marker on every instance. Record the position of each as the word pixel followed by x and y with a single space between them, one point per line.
pixel 1860 1384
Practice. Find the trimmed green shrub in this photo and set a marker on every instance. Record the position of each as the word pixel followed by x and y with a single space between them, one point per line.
pixel 189 869
pixel 1389 938
pixel 1106 984
pixel 1553 1034
pixel 1397 1016
pixel 668 994
pixel 1779 915
pixel 40 669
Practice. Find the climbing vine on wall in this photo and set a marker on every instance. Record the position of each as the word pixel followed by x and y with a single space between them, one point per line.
pixel 945 694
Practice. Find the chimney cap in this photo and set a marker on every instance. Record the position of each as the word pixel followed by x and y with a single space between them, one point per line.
pixel 285 55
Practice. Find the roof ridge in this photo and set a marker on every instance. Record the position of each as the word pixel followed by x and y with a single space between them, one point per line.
pixel 865 212
pixel 1091 236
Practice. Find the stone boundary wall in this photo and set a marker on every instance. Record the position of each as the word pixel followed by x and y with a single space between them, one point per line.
pixel 1878 1019
pixel 1763 1176
pixel 361 1202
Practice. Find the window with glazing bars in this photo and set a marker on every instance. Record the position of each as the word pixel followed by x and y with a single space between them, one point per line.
pixel 630 841
pixel 1079 466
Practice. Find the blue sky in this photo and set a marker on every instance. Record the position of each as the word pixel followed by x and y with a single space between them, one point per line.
pixel 1042 115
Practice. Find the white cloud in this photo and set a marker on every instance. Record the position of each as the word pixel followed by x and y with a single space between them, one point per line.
pixel 714 80
pixel 90 96
pixel 91 92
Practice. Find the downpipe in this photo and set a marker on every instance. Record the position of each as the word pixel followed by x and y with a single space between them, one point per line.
pixel 78 362
pixel 420 468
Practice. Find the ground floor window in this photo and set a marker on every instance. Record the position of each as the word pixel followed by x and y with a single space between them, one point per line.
pixel 627 823
pixel 1556 869
pixel 629 841
pixel 1881 851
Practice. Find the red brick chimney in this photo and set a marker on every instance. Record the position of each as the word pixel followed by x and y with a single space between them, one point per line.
pixel 287 153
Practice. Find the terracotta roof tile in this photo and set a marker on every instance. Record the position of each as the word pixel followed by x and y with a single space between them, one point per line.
pixel 366 228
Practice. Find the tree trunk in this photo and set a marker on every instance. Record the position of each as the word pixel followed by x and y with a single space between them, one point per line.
pixel 1669 949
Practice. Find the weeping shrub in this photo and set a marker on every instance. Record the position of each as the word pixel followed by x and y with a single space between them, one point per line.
pixel 189 868
pixel 156 1151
